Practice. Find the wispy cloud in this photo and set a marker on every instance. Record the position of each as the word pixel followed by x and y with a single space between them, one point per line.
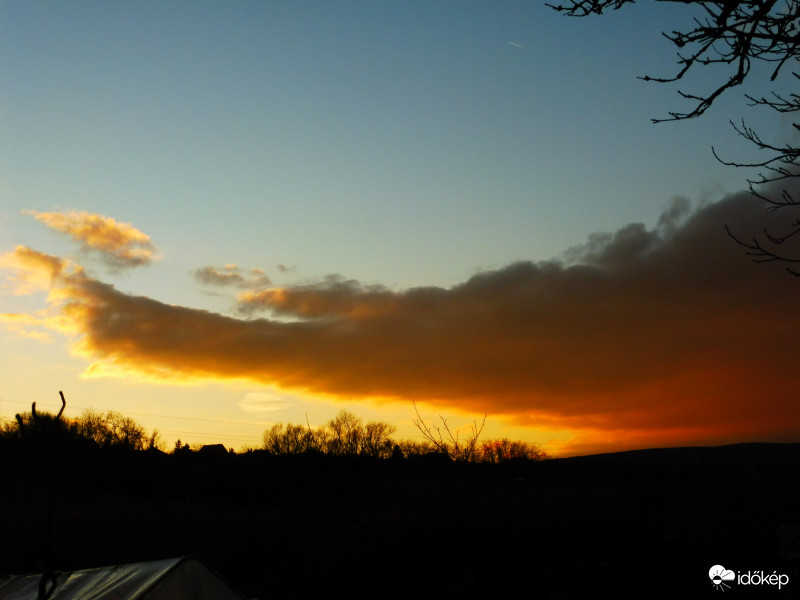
pixel 668 334
pixel 29 271
pixel 264 404
pixel 120 245
pixel 26 326
pixel 516 45
pixel 232 275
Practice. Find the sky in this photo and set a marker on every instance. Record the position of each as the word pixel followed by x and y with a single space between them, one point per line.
pixel 215 217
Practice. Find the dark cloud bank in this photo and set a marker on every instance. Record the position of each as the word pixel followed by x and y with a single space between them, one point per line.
pixel 670 331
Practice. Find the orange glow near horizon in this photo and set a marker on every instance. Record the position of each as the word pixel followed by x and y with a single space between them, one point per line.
pixel 630 346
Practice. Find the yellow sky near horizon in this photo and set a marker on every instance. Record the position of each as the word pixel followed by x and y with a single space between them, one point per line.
pixel 640 338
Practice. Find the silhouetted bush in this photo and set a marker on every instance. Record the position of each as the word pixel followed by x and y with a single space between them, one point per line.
pixel 113 429
pixel 42 431
pixel 504 450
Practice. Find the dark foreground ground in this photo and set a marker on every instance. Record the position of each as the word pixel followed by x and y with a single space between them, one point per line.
pixel 644 524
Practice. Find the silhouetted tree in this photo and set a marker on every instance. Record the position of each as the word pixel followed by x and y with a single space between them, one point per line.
pixel 451 445
pixel 115 430
pixel 729 38
pixel 377 439
pixel 344 435
pixel 180 447
pixel 155 441
pixel 290 439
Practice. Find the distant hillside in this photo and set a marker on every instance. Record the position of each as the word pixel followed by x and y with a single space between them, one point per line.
pixel 748 457
pixel 638 524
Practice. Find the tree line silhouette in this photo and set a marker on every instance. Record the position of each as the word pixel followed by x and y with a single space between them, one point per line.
pixel 335 510
pixel 103 430
pixel 348 435
pixel 344 435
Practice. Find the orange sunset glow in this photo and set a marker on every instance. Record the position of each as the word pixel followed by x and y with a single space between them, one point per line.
pixel 399 300
pixel 216 220
pixel 644 337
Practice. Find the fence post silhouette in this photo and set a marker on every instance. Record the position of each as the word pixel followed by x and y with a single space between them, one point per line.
pixel 48 451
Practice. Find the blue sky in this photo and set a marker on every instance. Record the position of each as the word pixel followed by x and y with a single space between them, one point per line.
pixel 396 144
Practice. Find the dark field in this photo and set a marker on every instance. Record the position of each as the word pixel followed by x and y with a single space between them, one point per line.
pixel 645 524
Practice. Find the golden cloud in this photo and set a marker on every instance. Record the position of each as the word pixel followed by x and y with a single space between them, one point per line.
pixel 120 244
pixel 669 335
pixel 21 325
pixel 31 271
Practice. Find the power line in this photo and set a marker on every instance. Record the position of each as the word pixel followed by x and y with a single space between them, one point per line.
pixel 250 424
pixel 205 434
pixel 193 434
pixel 223 421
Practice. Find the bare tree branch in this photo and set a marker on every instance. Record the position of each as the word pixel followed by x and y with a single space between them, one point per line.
pixel 453 446
pixel 761 254
pixel 732 35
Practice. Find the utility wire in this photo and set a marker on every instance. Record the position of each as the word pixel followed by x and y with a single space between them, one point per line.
pixel 223 421
pixel 266 424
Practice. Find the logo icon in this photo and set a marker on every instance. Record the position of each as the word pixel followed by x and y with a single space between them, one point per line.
pixel 719 575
